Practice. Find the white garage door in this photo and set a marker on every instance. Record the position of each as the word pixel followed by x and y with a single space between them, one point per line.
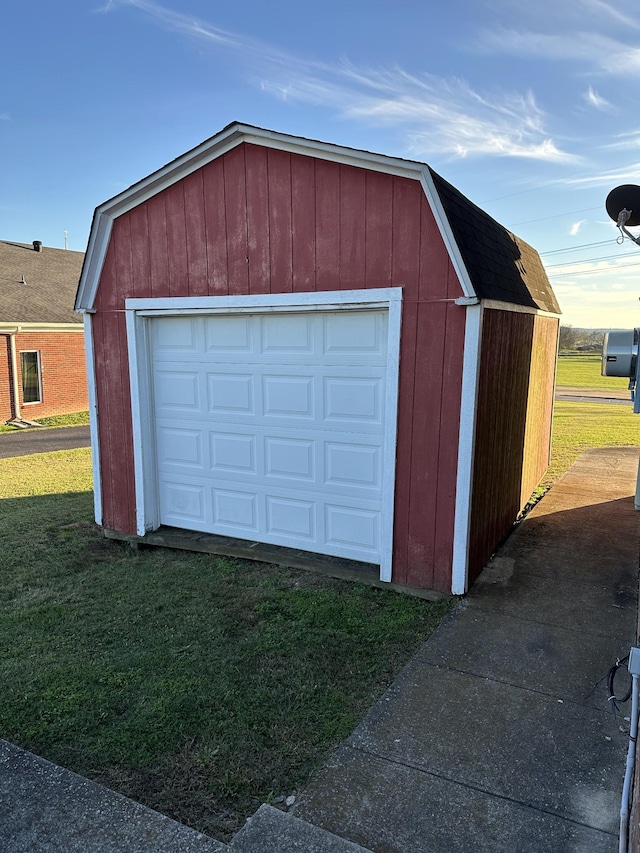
pixel 270 427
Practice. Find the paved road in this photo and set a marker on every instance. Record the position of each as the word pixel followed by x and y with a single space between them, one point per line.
pixel 593 395
pixel 34 440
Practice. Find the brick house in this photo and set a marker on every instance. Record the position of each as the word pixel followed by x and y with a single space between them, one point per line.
pixel 42 359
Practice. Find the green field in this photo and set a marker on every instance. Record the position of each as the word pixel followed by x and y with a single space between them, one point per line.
pixel 582 370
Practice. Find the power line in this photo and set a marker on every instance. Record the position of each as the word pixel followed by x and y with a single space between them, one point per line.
pixel 585 261
pixel 575 248
pixel 556 216
pixel 592 272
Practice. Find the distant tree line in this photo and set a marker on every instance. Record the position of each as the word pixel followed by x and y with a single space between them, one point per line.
pixel 580 339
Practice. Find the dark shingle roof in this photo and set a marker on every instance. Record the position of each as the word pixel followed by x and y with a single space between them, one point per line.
pixel 51 278
pixel 501 266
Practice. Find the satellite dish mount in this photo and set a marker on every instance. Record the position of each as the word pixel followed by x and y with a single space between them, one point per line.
pixel 623 206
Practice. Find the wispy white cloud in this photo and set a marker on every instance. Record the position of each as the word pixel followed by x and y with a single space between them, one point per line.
pixel 625 141
pixel 595 100
pixel 623 174
pixel 603 53
pixel 575 228
pixel 437 115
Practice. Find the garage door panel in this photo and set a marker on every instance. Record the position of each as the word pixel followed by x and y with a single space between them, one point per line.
pixel 353 527
pixel 236 510
pixel 364 333
pixel 177 390
pixel 176 446
pixel 229 335
pixel 233 453
pixel 179 336
pixel 287 516
pixel 288 396
pixel 353 465
pixel 271 428
pixel 231 393
pixel 289 458
pixel 287 334
pixel 354 399
pixel 183 503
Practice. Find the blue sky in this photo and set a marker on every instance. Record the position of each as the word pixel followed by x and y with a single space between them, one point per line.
pixel 531 109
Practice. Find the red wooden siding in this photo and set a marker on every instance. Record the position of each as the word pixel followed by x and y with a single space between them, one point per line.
pixel 265 221
pixel 64 375
pixel 514 410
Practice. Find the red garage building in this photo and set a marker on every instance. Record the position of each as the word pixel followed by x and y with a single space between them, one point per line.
pixel 296 344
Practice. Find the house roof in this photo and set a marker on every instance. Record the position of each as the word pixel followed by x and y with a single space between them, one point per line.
pixel 490 261
pixel 38 287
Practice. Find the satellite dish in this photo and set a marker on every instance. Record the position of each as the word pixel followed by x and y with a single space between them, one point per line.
pixel 627 196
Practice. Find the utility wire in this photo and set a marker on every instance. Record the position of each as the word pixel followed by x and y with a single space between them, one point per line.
pixel 592 272
pixel 584 261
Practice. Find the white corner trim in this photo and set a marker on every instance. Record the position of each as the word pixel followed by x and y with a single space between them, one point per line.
pixel 139 313
pixel 93 418
pixel 446 233
pixel 466 440
pixel 394 327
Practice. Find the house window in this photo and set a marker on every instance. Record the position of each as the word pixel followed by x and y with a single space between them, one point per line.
pixel 31 377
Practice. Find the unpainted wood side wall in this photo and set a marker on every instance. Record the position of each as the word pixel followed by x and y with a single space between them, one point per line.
pixel 513 423
pixel 261 220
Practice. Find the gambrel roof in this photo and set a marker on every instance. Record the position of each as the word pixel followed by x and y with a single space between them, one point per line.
pixel 38 286
pixel 491 262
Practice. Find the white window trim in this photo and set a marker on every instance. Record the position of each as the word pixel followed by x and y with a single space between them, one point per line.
pixel 39 368
pixel 138 315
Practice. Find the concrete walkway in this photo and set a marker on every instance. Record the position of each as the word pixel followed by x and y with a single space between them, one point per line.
pixel 498 736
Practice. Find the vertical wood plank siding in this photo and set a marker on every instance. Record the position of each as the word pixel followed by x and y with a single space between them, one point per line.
pixel 514 410
pixel 266 221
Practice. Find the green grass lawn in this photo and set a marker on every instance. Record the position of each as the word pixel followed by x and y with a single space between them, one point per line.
pixel 74 419
pixel 582 370
pixel 580 426
pixel 197 685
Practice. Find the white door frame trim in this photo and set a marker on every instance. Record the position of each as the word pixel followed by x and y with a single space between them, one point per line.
pixel 139 312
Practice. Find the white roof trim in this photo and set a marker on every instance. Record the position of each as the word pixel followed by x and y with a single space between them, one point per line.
pixel 20 328
pixel 497 305
pixel 220 144
pixel 446 233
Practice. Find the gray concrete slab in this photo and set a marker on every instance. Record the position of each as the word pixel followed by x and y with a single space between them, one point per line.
pixel 531 655
pixel 547 753
pixel 401 809
pixel 47 809
pixel 270 830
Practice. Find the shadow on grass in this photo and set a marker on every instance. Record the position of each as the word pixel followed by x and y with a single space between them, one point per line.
pixel 198 685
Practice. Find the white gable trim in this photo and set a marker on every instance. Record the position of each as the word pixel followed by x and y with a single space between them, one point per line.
pixel 210 150
pixel 446 233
